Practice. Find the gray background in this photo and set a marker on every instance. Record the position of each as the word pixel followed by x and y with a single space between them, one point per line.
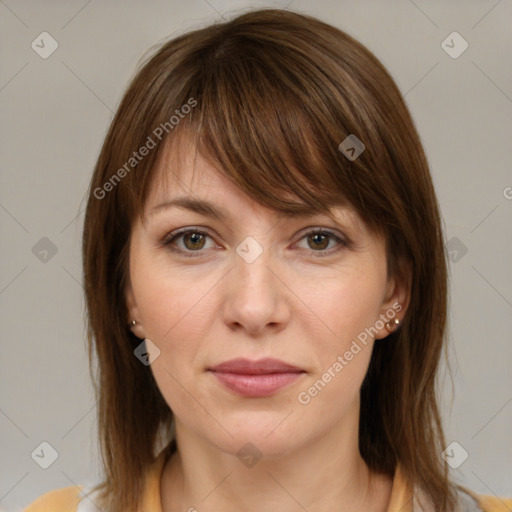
pixel 55 113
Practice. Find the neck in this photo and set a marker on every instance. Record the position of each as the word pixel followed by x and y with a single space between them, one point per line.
pixel 323 475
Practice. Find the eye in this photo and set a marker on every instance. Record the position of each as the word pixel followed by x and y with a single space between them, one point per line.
pixel 319 239
pixel 191 242
pixel 187 241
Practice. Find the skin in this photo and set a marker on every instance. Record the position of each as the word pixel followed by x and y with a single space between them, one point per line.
pixel 290 304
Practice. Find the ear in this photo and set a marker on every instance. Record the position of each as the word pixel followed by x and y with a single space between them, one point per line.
pixel 133 313
pixel 396 300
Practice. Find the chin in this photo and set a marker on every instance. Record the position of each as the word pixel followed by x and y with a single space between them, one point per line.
pixel 258 439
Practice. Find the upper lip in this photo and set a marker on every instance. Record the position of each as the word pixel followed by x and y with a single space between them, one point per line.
pixel 259 367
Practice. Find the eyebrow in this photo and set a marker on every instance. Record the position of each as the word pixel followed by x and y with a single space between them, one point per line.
pixel 208 209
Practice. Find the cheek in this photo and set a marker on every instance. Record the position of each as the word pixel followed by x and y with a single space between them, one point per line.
pixel 343 355
pixel 177 310
pixel 169 301
pixel 178 314
pixel 347 306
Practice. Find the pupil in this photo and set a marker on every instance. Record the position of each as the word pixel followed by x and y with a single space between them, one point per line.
pixel 316 240
pixel 195 239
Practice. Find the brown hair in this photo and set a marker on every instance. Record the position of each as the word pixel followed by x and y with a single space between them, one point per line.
pixel 275 94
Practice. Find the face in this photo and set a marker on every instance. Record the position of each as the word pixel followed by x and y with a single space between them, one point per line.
pixel 310 291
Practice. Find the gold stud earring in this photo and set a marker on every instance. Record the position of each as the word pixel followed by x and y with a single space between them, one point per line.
pixel 392 325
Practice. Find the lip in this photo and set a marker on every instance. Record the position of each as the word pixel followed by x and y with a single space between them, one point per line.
pixel 258 367
pixel 259 378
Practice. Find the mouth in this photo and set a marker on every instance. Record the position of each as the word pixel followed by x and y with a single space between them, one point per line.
pixel 260 378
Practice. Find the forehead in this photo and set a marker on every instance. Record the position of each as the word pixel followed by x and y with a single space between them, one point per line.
pixel 183 170
pixel 184 176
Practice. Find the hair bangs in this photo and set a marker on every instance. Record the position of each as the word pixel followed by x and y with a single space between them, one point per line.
pixel 254 129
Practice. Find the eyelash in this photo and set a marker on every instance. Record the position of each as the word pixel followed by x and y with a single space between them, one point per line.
pixel 172 237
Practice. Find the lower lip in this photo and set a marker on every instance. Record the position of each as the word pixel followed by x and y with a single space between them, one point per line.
pixel 256 385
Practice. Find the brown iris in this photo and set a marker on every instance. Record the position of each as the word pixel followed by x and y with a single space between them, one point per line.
pixel 316 236
pixel 196 240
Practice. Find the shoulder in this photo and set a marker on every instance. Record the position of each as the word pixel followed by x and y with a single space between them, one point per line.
pixel 65 499
pixel 486 503
pixel 494 504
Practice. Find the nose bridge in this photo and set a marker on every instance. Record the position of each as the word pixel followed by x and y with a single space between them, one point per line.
pixel 256 298
pixel 252 268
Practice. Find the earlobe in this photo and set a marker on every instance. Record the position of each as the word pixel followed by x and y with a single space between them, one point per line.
pixel 395 303
pixel 390 320
pixel 137 329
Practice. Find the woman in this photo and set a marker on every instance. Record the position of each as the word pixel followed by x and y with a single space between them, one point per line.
pixel 266 284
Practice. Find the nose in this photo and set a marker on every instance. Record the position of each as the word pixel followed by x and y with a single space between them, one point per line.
pixel 257 298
